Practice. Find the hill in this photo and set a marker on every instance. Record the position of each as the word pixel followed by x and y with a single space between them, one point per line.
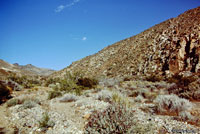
pixel 168 48
pixel 27 70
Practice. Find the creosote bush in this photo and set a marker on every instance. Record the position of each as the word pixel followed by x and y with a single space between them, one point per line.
pixel 116 119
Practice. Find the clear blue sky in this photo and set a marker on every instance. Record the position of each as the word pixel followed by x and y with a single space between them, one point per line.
pixel 54 33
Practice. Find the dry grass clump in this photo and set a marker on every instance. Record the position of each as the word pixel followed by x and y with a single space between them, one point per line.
pixel 45 122
pixel 120 99
pixel 171 104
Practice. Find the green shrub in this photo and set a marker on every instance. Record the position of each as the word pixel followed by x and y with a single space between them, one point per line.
pixel 45 122
pixel 75 83
pixel 25 81
pixel 54 94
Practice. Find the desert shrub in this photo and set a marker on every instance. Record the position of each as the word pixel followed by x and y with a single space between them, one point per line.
pixel 52 81
pixel 75 83
pixel 139 98
pixel 87 82
pixel 29 104
pixel 45 122
pixel 171 103
pixel 53 94
pixel 26 82
pixel 13 102
pixel 188 88
pixel 120 99
pixel 116 119
pixel 185 116
pixel 105 82
pixel 68 98
pixel 104 95
pixel 139 128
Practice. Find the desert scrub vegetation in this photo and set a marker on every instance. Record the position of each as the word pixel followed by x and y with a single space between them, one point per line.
pixel 138 128
pixel 120 99
pixel 116 119
pixel 104 95
pixel 45 122
pixel 26 102
pixel 53 94
pixel 26 82
pixel 171 104
pixel 68 98
pixel 185 87
pixel 75 83
pixel 13 102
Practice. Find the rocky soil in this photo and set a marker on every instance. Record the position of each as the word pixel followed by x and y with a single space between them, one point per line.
pixel 70 116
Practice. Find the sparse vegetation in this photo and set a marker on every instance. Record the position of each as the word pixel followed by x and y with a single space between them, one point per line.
pixel 53 94
pixel 120 99
pixel 115 119
pixel 13 102
pixel 26 82
pixel 171 104
pixel 45 122
pixel 139 128
pixel 68 98
pixel 29 104
pixel 104 95
pixel 74 83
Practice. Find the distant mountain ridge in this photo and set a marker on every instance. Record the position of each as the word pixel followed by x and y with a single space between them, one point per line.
pixel 30 70
pixel 36 70
pixel 168 48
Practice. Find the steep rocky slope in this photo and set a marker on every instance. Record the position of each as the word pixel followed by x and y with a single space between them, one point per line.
pixel 170 47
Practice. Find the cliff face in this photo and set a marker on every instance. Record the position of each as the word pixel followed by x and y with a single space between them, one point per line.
pixel 170 47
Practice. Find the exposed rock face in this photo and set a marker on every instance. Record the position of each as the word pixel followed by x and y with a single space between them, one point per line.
pixel 170 47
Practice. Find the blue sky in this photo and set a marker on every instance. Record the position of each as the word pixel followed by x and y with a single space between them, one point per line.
pixel 54 33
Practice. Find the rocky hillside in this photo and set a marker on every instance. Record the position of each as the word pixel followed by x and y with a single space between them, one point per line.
pixel 170 47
